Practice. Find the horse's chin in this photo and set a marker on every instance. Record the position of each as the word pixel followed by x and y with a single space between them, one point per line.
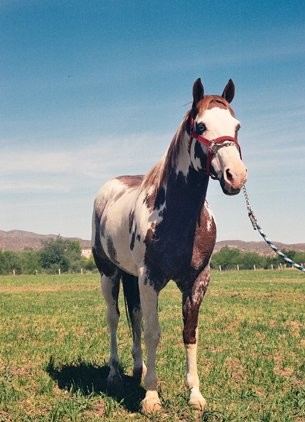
pixel 228 190
pixel 231 192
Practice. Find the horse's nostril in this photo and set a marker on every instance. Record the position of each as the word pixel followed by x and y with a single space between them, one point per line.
pixel 229 175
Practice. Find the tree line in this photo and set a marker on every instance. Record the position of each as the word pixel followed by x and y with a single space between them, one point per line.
pixel 56 255
pixel 232 258
pixel 60 255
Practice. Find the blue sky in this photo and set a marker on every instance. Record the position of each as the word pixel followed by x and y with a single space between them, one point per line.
pixel 91 90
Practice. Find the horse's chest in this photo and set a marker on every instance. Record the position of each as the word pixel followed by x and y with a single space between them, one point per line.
pixel 174 248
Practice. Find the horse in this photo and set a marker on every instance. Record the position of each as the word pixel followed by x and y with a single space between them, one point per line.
pixel 148 230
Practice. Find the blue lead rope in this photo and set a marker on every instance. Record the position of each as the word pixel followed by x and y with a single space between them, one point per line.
pixel 264 236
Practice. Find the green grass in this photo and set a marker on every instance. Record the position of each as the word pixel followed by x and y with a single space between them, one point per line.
pixel 54 350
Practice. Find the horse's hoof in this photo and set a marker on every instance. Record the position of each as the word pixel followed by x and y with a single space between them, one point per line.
pixel 115 384
pixel 197 402
pixel 151 403
pixel 150 406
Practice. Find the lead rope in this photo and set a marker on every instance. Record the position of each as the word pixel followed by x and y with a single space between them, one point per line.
pixel 264 236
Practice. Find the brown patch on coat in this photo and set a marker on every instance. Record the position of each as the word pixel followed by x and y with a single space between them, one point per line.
pixel 204 242
pixel 131 181
pixel 205 238
pixel 169 245
pixel 130 220
pixel 191 301
pixel 155 199
pixel 149 199
pixel 180 246
pixel 133 238
pixel 111 250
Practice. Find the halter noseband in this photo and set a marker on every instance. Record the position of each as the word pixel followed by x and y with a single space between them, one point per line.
pixel 212 146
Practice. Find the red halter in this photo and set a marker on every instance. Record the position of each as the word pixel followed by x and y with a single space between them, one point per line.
pixel 212 146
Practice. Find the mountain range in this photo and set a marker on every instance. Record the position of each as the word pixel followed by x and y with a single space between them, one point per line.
pixel 18 240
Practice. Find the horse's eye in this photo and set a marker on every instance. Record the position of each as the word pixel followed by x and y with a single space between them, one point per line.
pixel 200 128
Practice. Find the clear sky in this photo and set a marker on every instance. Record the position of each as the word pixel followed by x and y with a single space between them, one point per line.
pixel 94 89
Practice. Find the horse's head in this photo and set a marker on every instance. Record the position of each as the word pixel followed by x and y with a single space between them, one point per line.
pixel 213 132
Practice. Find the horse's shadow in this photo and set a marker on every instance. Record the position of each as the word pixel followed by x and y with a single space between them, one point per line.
pixel 92 380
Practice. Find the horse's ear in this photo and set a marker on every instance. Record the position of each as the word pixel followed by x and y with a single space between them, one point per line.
pixel 198 92
pixel 229 91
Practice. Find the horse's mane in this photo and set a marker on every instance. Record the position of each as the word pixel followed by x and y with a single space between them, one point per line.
pixel 159 174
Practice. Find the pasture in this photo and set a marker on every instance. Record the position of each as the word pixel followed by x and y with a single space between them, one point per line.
pixel 251 360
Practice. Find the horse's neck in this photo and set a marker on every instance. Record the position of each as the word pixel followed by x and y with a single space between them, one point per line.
pixel 186 193
pixel 186 187
pixel 175 180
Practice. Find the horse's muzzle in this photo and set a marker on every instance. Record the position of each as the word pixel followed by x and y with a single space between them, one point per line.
pixel 232 182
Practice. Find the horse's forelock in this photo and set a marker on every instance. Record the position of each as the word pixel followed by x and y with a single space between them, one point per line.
pixel 211 101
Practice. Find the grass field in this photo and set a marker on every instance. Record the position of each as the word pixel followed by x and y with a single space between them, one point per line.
pixel 54 350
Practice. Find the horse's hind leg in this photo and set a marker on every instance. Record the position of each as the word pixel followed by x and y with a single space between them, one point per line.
pixel 132 296
pixel 110 289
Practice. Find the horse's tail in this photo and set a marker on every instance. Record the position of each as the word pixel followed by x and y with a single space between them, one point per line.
pixel 131 295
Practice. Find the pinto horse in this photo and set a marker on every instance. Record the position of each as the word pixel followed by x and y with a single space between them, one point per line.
pixel 148 230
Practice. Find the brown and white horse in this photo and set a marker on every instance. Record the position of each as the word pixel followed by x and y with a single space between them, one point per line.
pixel 150 229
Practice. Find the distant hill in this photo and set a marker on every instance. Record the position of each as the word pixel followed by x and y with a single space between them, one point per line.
pixel 259 247
pixel 17 240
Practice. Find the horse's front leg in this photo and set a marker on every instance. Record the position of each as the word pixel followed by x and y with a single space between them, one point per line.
pixel 149 303
pixel 192 299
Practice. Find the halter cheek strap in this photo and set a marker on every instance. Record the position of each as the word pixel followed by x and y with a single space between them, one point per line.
pixel 212 145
